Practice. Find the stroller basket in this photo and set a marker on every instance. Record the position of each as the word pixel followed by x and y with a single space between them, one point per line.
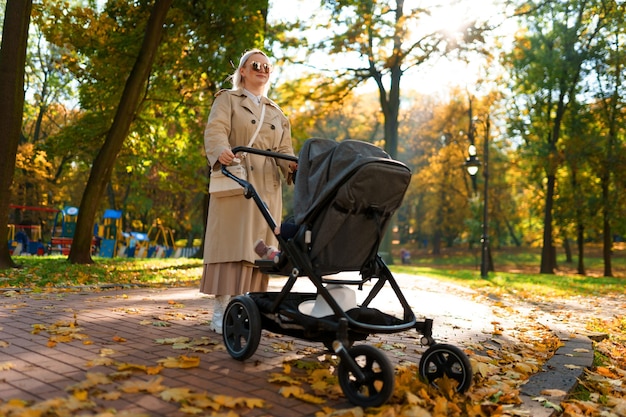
pixel 345 196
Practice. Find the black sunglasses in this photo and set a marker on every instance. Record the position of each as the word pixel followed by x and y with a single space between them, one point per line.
pixel 261 67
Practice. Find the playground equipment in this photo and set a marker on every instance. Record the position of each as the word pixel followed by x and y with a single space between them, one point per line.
pixel 26 238
pixel 63 230
pixel 136 245
pixel 110 232
pixel 161 240
pixel 186 249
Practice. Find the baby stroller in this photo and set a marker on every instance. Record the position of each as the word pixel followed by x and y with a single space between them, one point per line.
pixel 345 194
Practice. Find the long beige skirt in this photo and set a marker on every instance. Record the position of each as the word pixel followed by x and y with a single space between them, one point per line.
pixel 232 278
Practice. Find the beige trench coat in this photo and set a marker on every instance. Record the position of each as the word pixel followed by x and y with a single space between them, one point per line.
pixel 235 223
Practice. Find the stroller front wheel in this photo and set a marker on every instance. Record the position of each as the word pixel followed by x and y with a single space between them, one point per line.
pixel 241 328
pixel 376 385
pixel 446 360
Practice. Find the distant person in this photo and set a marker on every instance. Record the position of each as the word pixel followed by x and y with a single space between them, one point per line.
pixel 235 223
pixel 21 237
pixel 406 256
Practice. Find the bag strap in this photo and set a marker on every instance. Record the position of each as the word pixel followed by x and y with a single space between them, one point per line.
pixel 256 132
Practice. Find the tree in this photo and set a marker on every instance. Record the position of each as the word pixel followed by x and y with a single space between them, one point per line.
pixel 547 67
pixel 380 34
pixel 101 170
pixel 12 64
pixel 608 62
pixel 160 171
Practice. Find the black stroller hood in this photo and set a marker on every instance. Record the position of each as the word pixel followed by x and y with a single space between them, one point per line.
pixel 346 193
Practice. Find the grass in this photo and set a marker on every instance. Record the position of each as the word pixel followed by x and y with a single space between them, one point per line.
pixel 516 270
pixel 521 283
pixel 38 273
pixel 515 259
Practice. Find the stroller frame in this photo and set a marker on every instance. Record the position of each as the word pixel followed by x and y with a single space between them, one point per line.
pixel 368 383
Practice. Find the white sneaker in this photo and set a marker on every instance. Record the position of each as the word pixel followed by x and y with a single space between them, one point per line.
pixel 214 327
pixel 219 306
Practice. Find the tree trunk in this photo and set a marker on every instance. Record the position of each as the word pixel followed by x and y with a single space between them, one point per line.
pixel 437 242
pixel 548 263
pixel 102 168
pixel 580 240
pixel 607 238
pixel 509 227
pixel 580 227
pixel 390 106
pixel 12 64
pixel 568 250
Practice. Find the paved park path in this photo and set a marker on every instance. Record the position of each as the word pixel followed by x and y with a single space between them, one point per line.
pixel 137 326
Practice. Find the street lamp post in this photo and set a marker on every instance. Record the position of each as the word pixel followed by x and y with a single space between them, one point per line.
pixel 471 164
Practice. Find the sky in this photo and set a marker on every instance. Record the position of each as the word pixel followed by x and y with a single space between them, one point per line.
pixel 436 77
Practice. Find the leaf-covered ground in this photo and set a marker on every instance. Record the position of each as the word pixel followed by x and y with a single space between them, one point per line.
pixel 501 365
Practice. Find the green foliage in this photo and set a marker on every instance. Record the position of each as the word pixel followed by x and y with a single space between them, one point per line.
pixel 161 171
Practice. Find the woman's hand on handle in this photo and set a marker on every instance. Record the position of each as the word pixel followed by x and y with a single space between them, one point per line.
pixel 226 157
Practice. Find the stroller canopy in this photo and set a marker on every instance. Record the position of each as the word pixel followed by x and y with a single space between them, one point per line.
pixel 346 192
pixel 323 165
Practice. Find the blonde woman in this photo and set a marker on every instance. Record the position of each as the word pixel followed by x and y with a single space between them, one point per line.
pixel 234 223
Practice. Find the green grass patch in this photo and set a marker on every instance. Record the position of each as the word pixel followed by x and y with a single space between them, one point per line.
pixel 39 273
pixel 511 259
pixel 524 284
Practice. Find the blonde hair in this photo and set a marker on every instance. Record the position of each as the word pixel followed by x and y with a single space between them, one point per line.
pixel 236 78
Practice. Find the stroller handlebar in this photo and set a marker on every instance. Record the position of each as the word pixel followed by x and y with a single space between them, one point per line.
pixel 238 149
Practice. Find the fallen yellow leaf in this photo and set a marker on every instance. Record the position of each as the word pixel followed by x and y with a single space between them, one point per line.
pixel 297 392
pixel 106 352
pixel 81 395
pixel 554 393
pixel 182 362
pixel 5 366
pixel 175 394
pixel 110 396
pixel 152 386
pixel 131 367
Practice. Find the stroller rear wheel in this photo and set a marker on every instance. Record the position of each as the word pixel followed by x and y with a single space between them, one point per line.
pixel 242 327
pixel 375 386
pixel 446 360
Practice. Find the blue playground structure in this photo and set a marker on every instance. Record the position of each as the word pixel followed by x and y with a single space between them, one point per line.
pixel 110 233
pixel 63 230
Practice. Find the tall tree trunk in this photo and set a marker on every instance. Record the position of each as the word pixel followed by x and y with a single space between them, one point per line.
pixel 102 168
pixel 580 241
pixel 390 105
pixel 580 227
pixel 568 249
pixel 548 263
pixel 12 64
pixel 607 238
pixel 509 227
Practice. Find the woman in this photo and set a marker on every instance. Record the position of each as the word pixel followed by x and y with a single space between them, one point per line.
pixel 235 223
